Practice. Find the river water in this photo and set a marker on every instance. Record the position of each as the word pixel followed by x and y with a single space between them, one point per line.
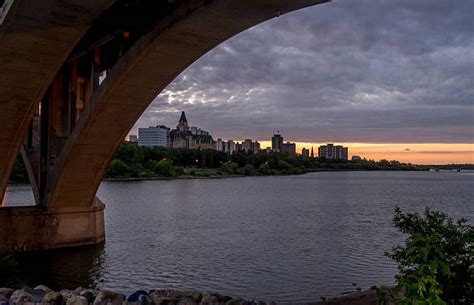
pixel 285 238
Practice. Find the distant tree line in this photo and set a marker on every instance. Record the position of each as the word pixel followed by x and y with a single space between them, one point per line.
pixel 133 161
pixel 464 166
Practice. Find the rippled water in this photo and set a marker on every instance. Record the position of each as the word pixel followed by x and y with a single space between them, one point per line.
pixel 287 238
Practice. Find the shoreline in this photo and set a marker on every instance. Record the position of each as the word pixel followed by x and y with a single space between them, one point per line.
pixel 224 176
pixel 366 297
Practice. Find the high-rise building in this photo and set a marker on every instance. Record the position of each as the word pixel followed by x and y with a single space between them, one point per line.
pixel 154 136
pixel 238 147
pixel 230 147
pixel 330 151
pixel 305 152
pixel 289 148
pixel 247 145
pixel 250 147
pixel 220 144
pixel 277 143
pixel 256 147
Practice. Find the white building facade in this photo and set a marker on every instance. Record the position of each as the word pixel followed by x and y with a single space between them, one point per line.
pixel 154 136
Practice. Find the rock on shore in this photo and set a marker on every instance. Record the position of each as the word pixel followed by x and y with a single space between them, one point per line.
pixel 357 298
pixel 80 296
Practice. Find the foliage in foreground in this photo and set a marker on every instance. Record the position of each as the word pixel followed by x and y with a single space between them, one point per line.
pixel 436 264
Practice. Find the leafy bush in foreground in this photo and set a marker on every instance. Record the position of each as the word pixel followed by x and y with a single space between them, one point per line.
pixel 436 264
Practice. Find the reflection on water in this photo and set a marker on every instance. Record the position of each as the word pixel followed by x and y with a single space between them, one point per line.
pixel 62 268
pixel 288 238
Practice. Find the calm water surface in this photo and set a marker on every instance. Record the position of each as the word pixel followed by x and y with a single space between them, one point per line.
pixel 287 238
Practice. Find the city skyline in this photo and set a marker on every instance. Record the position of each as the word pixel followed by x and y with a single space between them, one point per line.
pixel 344 72
pixel 419 153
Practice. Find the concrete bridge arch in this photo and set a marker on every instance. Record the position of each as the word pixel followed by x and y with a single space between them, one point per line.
pixel 65 180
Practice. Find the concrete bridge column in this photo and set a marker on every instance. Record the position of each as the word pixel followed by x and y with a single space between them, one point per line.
pixel 41 226
pixel 36 38
pixel 37 228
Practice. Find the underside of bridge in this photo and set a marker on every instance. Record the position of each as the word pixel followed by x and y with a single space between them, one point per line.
pixel 76 75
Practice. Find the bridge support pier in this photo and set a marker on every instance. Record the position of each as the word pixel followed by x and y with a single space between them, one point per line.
pixel 35 228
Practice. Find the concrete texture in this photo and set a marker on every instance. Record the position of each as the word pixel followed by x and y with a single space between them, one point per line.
pixel 146 69
pixel 35 39
pixel 35 228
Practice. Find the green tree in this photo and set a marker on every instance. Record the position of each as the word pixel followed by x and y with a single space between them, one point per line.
pixel 283 165
pixel 249 170
pixel 165 167
pixel 151 166
pixel 436 263
pixel 264 169
pixel 118 168
pixel 130 153
pixel 230 168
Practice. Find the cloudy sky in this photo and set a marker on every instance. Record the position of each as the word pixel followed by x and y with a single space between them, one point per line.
pixel 350 71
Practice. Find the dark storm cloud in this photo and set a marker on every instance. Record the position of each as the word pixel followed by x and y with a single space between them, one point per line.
pixel 357 71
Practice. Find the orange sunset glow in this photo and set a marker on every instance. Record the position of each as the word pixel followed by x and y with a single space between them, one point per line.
pixel 426 153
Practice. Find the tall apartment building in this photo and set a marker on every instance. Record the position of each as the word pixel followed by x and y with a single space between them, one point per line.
pixel 305 152
pixel 331 151
pixel 238 147
pixel 220 144
pixel 289 148
pixel 249 146
pixel 256 147
pixel 154 136
pixel 277 143
pixel 229 147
